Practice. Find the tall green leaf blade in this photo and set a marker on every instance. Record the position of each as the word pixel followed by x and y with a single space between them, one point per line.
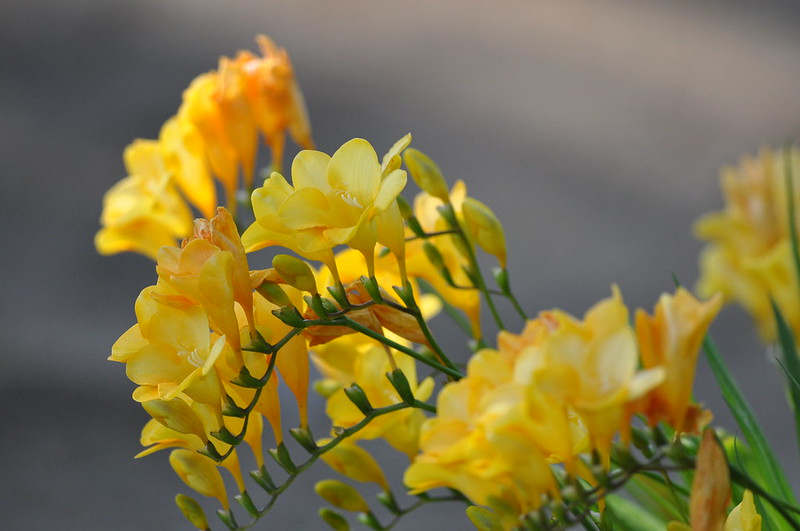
pixel 766 463
pixel 790 363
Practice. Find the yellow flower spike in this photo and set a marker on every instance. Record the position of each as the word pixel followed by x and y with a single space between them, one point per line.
pixel 199 473
pixel 295 272
pixel 183 149
pixel 672 339
pixel 426 174
pixel 747 257
pixel 711 487
pixel 352 461
pixel 744 517
pixel 341 495
pixel 485 229
pixel 142 212
pixel 176 415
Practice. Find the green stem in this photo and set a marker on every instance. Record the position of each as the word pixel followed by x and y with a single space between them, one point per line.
pixel 349 323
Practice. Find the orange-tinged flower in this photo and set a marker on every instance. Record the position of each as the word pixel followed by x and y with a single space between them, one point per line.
pixel 275 99
pixel 748 256
pixel 143 212
pixel 671 339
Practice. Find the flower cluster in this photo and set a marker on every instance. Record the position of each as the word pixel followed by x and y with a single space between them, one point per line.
pixel 560 389
pixel 213 135
pixel 748 258
pixel 541 429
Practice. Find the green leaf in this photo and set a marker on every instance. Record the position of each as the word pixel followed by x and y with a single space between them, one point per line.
pixel 790 363
pixel 624 515
pixel 766 465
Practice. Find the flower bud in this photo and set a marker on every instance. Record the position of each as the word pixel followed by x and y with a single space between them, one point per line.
pixel 274 294
pixel 176 415
pixel 282 457
pixel 483 519
pixel 358 397
pixel 484 228
pixel 192 511
pixel 352 461
pixel 426 174
pixel 295 272
pixel 199 473
pixel 334 520
pixel 341 495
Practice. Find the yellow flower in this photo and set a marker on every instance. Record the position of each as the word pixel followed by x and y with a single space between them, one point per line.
pixel 200 473
pixel 744 517
pixel 352 461
pixel 143 212
pixel 591 366
pixel 672 339
pixel 334 201
pixel 467 300
pixel 748 255
pixel 362 360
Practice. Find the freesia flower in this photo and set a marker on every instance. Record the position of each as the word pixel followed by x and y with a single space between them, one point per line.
pixel 333 201
pixel 748 256
pixel 144 211
pixel 671 339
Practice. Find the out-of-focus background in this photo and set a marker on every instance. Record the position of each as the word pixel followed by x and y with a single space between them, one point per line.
pixel 594 129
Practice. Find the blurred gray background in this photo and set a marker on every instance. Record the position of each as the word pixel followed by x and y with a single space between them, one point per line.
pixel 594 129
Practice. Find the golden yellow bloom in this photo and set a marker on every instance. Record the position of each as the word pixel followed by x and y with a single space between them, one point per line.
pixel 748 256
pixel 200 473
pixel 362 360
pixel 334 201
pixel 591 366
pixel 419 266
pixel 143 212
pixel 352 461
pixel 671 339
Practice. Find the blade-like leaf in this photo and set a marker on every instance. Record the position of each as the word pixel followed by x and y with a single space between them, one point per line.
pixel 789 362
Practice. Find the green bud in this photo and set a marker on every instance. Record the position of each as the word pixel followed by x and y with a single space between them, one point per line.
pixel 339 295
pixel 192 511
pixel 501 278
pixel 341 495
pixel 224 435
pixel 227 518
pixel 371 285
pixel 245 501
pixel 289 317
pixel 282 457
pixel 405 209
pixel 211 452
pixel 295 272
pixel 483 519
pixel 334 520
pixel 326 387
pixel 401 385
pixel 304 438
pixel 406 294
pixel 358 397
pixel 231 409
pixel 259 344
pixel 246 380
pixel 426 174
pixel 274 294
pixel 484 228
pixel 434 256
pixel 388 501
pixel 263 479
pixel 448 214
pixel 369 520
